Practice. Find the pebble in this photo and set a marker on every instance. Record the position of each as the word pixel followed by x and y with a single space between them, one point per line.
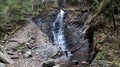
pixel 75 62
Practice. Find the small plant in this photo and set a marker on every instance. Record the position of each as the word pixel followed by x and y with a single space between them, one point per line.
pixel 21 46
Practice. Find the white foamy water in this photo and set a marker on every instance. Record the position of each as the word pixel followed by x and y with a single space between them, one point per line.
pixel 58 32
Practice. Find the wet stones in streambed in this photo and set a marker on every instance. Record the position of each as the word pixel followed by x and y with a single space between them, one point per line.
pixel 75 62
pixel 46 51
pixel 49 63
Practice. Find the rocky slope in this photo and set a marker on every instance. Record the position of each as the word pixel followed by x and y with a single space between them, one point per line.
pixel 29 47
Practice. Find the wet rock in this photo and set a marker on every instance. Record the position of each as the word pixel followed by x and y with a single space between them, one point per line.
pixel 48 64
pixel 2 65
pixel 75 62
pixel 46 51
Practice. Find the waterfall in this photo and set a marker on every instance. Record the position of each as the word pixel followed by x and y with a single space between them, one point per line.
pixel 58 32
pixel 79 34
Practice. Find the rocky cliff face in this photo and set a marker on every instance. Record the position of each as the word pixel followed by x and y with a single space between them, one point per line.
pixel 78 35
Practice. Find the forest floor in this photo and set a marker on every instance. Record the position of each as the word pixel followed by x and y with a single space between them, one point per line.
pixel 107 40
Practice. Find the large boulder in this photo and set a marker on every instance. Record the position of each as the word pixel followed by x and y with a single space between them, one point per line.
pixel 46 51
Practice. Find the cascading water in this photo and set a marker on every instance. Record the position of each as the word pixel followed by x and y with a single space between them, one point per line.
pixel 58 32
pixel 79 35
